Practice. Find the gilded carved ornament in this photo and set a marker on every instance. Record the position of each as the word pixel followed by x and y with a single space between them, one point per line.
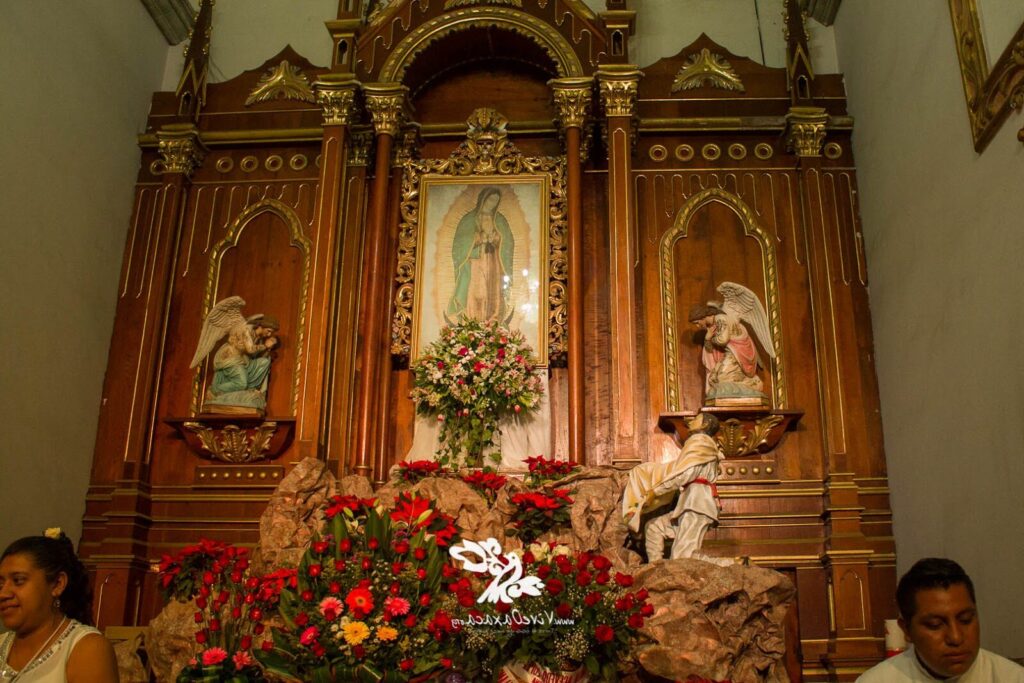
pixel 451 4
pixel 360 144
pixel 337 98
pixel 180 149
pixel 282 82
pixel 618 90
pixel 388 105
pixel 234 444
pixel 991 93
pixel 572 97
pixel 485 151
pixel 707 69
pixel 805 130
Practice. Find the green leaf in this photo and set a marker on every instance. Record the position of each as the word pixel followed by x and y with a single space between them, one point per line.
pixel 592 664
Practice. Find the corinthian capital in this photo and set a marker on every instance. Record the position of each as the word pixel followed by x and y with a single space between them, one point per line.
pixel 572 100
pixel 805 130
pixel 180 148
pixel 617 84
pixel 336 95
pixel 388 105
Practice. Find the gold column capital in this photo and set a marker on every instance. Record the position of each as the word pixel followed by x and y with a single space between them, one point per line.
pixel 617 85
pixel 388 104
pixel 181 149
pixel 805 130
pixel 336 95
pixel 572 100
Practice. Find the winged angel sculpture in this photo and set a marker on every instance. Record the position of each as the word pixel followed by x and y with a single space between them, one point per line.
pixel 729 355
pixel 241 366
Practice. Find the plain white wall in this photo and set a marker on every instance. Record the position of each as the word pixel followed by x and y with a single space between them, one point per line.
pixel 76 84
pixel 945 250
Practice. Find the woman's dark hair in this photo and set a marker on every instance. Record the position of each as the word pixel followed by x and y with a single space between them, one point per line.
pixel 931 572
pixel 484 194
pixel 53 556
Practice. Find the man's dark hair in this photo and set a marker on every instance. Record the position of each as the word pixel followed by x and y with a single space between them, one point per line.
pixel 931 572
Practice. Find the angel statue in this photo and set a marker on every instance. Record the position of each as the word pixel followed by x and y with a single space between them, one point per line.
pixel 241 366
pixel 729 355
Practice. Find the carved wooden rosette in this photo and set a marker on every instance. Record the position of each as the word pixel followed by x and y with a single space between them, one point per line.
pixel 336 95
pixel 485 151
pixel 180 148
pixel 805 130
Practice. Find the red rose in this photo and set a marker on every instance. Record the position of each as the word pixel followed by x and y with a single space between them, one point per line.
pixel 397 567
pixel 604 633
pixel 406 664
pixel 395 588
pixel 320 547
pixel 425 599
pixel 621 605
pixel 345 545
pixel 359 651
pixel 421 573
pixel 528 557
pixel 563 611
pixel 199 617
pixel 373 544
pixel 201 602
pixel 307 595
pixel 340 565
pixel 334 588
pixel 554 586
pixel 302 619
pixel 410 621
pixel 592 599
pixel 446 663
pixel 647 610
pixel 502 607
pixel 601 563
pixel 215 624
pixel 258 629
pixel 420 554
pixel 602 578
pixel 208 578
pixel 624 580
pixel 544 571
pixel 583 579
pixel 246 643
pixel 402 547
pixel 267 645
pixel 236 612
pixel 201 637
pixel 635 621
pixel 366 564
pixel 315 570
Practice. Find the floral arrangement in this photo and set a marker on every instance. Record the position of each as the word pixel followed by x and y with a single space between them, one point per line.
pixel 486 482
pixel 364 605
pixel 543 471
pixel 538 512
pixel 587 616
pixel 229 609
pixel 472 376
pixel 414 471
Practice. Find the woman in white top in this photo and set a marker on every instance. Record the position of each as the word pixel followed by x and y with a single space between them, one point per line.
pixel 46 603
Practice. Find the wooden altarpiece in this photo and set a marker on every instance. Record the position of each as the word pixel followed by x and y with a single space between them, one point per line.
pixel 288 186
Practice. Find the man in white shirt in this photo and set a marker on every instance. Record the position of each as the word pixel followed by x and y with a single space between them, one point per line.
pixel 940 618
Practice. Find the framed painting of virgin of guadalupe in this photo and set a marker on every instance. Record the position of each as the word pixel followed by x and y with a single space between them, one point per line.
pixel 482 253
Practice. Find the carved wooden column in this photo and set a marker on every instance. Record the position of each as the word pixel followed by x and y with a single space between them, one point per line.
pixel 336 94
pixel 617 85
pixel 847 556
pixel 405 149
pixel 387 104
pixel 572 99
pixel 129 394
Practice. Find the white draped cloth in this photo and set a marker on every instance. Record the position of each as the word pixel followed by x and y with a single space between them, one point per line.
pixel 521 436
pixel 905 668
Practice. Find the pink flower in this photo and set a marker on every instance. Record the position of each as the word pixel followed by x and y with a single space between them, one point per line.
pixel 242 659
pixel 396 607
pixel 309 636
pixel 214 655
pixel 331 607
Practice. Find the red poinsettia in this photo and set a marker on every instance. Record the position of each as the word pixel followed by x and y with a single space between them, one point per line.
pixel 419 469
pixel 353 503
pixel 486 482
pixel 543 470
pixel 537 512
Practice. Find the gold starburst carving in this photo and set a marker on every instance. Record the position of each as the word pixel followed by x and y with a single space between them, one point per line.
pixel 283 82
pixel 707 69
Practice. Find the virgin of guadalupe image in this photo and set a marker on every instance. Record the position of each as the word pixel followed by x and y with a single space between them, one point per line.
pixel 482 252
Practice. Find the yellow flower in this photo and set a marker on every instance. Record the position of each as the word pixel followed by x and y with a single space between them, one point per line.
pixel 386 633
pixel 53 532
pixel 356 632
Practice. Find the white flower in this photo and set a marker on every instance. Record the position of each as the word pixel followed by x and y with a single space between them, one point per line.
pixel 539 550
pixel 562 550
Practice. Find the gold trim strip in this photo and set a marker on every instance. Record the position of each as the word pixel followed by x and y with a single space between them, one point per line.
pixel 234 137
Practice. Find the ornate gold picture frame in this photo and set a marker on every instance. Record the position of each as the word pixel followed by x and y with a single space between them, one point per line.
pixel 991 93
pixel 440 198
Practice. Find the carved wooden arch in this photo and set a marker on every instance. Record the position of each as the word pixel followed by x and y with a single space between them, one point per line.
pixel 770 272
pixel 230 240
pixel 539 31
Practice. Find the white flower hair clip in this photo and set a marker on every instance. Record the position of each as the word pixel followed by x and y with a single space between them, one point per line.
pixel 54 532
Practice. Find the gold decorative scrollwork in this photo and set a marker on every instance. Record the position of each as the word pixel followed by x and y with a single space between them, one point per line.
pixel 230 240
pixel 736 440
pixel 618 85
pixel 805 130
pixel 991 93
pixel 283 82
pixel 450 4
pixel 572 100
pixel 180 148
pixel 669 305
pixel 234 444
pixel 707 69
pixel 388 105
pixel 336 95
pixel 534 28
pixel 485 151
